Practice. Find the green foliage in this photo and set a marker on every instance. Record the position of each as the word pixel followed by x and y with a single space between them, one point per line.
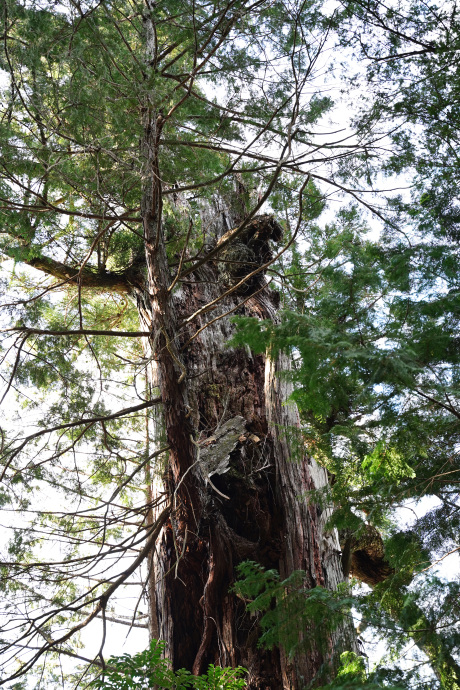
pixel 373 338
pixel 352 675
pixel 295 617
pixel 376 367
pixel 385 464
pixel 351 668
pixel 149 669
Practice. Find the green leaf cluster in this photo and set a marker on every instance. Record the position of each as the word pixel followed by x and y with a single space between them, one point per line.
pixel 295 617
pixel 150 669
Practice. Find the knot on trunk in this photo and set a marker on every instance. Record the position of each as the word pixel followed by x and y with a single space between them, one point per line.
pixel 247 252
pixel 363 556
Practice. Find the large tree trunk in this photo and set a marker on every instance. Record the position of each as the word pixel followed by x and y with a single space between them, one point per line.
pixel 237 491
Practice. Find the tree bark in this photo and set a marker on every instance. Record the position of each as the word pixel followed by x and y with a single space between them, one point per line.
pixel 237 490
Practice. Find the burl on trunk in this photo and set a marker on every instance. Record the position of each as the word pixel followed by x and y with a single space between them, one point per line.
pixel 237 493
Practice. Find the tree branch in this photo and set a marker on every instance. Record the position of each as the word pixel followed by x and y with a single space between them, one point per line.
pixel 78 331
pixel 71 425
pixel 113 282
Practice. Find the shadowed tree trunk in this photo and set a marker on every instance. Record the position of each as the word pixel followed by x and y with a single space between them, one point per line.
pixel 237 491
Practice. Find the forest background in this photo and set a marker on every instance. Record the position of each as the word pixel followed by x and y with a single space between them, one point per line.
pixel 124 181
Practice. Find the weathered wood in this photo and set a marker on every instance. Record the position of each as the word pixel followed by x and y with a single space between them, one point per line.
pixel 239 492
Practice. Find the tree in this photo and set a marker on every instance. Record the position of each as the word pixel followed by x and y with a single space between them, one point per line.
pixel 392 401
pixel 139 197
pixel 125 183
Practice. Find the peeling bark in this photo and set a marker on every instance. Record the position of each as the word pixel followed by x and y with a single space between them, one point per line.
pixel 239 493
